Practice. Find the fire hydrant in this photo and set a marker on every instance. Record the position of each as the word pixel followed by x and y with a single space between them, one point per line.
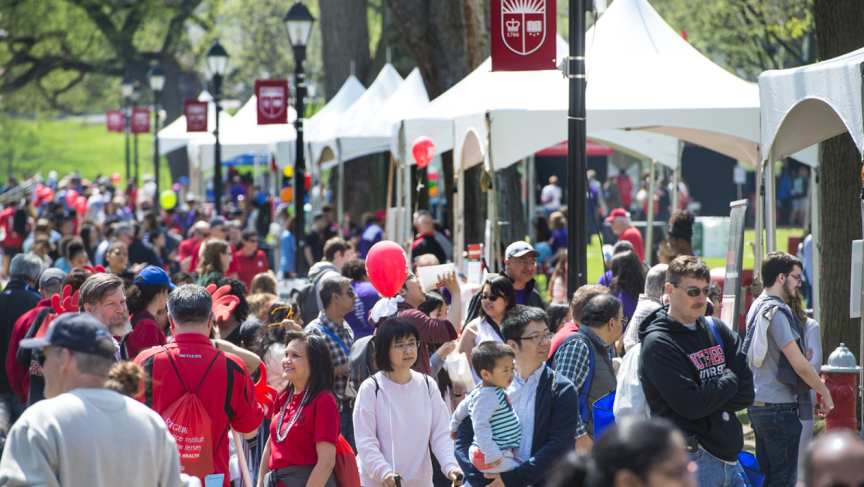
pixel 841 378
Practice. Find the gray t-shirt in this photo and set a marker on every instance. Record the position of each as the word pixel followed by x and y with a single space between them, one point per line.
pixel 768 388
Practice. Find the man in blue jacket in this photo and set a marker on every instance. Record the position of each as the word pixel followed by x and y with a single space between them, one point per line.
pixel 545 402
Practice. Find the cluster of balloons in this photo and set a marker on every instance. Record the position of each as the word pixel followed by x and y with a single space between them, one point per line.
pixel 387 267
pixel 44 193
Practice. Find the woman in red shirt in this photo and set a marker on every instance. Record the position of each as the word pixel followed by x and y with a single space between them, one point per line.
pixel 144 300
pixel 301 451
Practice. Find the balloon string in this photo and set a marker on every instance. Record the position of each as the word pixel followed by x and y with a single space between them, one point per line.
pixel 419 188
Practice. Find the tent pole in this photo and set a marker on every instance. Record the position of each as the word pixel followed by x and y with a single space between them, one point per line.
pixel 532 175
pixel 649 231
pixel 676 178
pixel 460 219
pixel 770 208
pixel 816 241
pixel 389 183
pixel 340 205
pixel 408 218
pixel 760 216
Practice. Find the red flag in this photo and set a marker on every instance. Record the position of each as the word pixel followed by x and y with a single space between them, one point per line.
pixel 272 95
pixel 523 35
pixel 196 115
pixel 140 120
pixel 115 120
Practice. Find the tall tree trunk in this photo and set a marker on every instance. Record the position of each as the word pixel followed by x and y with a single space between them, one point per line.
pixel 345 38
pixel 448 38
pixel 838 30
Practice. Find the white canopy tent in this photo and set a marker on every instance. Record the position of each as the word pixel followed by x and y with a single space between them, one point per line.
pixel 804 106
pixel 175 136
pixel 326 143
pixel 242 135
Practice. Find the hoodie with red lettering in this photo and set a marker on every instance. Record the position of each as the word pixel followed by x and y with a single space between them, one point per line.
pixel 685 380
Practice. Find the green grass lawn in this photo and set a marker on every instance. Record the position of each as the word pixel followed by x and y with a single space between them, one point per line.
pixel 66 146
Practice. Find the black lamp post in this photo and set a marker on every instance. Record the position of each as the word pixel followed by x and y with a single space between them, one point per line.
pixel 127 86
pixel 217 60
pixel 298 22
pixel 577 159
pixel 156 76
pixel 135 96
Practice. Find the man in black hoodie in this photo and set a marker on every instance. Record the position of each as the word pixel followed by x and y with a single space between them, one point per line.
pixel 693 379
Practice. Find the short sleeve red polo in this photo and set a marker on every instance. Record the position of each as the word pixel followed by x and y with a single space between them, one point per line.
pixel 145 334
pixel 250 266
pixel 319 421
pixel 186 247
pixel 228 393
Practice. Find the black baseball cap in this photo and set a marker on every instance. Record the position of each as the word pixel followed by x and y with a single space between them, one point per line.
pixel 80 332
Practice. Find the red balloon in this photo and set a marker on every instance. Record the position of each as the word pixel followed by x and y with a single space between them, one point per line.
pixel 47 194
pixel 424 150
pixel 387 267
pixel 307 180
pixel 71 196
pixel 81 205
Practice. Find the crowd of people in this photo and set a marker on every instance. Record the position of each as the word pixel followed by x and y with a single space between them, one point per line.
pixel 165 327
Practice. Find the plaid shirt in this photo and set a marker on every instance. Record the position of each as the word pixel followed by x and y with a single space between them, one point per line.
pixel 345 334
pixel 573 361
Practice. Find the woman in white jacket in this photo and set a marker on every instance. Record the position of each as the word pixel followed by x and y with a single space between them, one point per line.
pixel 398 414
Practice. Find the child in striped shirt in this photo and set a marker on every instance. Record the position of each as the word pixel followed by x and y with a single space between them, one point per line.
pixel 497 431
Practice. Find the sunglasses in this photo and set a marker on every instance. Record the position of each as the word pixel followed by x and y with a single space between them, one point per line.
pixel 695 291
pixel 489 297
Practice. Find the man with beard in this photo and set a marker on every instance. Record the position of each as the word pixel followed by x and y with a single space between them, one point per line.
pixel 102 295
pixel 781 373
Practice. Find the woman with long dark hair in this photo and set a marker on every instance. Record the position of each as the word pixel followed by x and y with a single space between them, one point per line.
pixel 497 297
pixel 628 280
pixel 633 452
pixel 399 415
pixel 144 300
pixel 305 429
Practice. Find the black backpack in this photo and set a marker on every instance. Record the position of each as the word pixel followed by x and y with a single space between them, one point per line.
pixel 306 297
pixel 361 361
pixel 124 350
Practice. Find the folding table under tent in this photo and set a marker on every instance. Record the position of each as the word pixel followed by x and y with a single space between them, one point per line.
pixel 803 106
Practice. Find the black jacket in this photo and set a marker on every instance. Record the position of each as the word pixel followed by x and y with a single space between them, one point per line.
pixel 141 252
pixel 556 413
pixel 683 378
pixel 17 299
pixel 532 298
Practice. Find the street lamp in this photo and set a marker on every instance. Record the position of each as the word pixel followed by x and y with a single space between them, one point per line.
pixel 298 21
pixel 157 81
pixel 217 60
pixel 135 96
pixel 127 86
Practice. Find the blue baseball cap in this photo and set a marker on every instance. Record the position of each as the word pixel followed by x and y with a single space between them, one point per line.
pixel 80 332
pixel 152 276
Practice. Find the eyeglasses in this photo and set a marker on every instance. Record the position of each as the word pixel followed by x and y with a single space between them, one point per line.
pixel 624 321
pixel 349 292
pixel 695 291
pixel 797 278
pixel 404 347
pixel 252 240
pixel 525 262
pixel 489 297
pixel 539 338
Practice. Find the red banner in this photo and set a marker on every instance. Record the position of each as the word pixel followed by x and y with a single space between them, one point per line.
pixel 272 95
pixel 196 115
pixel 523 35
pixel 115 120
pixel 140 120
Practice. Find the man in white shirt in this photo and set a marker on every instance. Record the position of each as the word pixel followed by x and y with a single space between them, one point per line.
pixel 81 433
pixel 551 195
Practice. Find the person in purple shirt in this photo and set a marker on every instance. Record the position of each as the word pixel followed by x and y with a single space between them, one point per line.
pixel 558 222
pixel 372 231
pixel 629 280
pixel 366 297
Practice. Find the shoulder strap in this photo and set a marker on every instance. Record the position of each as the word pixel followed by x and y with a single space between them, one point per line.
pixel 333 336
pixel 587 385
pixel 713 327
pixel 173 364
pixel 495 328
pixel 377 385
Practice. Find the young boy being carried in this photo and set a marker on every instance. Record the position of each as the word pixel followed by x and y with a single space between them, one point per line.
pixel 497 432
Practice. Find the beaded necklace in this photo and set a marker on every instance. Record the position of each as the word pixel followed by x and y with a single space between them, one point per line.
pixel 279 435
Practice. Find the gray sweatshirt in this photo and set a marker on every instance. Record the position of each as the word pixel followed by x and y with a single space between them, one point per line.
pixel 93 437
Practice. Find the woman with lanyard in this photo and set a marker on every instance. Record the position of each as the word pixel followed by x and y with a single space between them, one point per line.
pixel 301 451
pixel 496 299
pixel 399 415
